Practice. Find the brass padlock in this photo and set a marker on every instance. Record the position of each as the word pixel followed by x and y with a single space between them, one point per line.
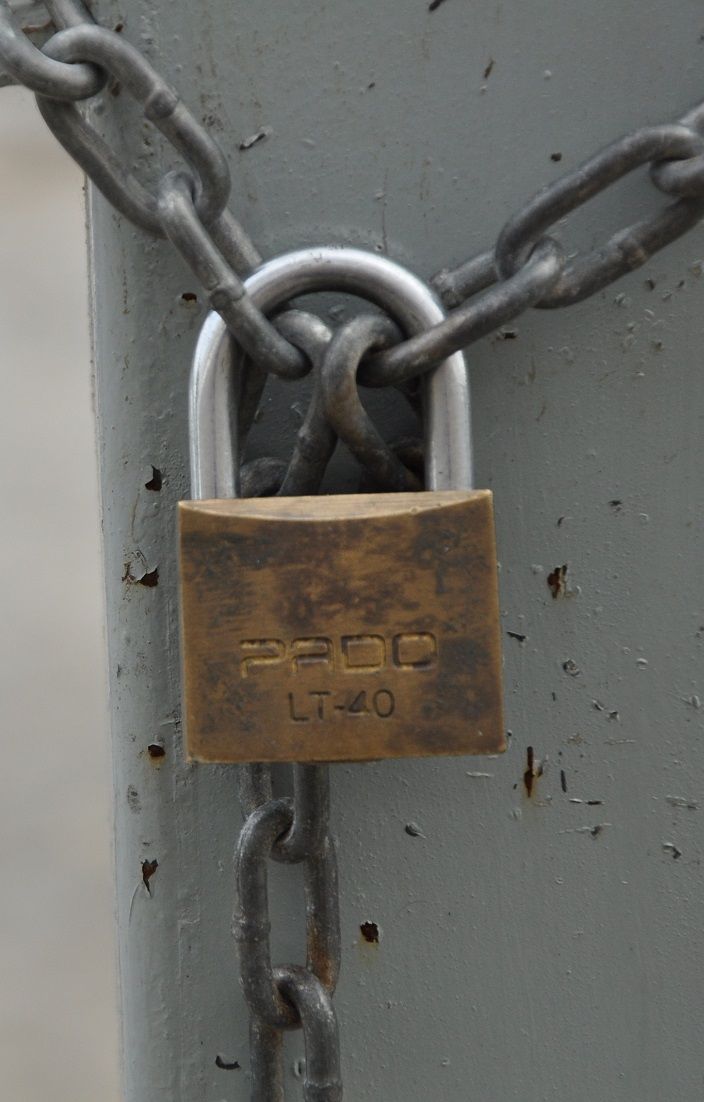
pixel 337 628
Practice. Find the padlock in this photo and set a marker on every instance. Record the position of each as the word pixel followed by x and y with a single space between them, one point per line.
pixel 339 627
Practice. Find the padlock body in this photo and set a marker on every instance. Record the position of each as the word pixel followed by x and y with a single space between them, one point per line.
pixel 340 628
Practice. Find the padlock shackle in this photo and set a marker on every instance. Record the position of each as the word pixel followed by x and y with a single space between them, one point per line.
pixel 218 364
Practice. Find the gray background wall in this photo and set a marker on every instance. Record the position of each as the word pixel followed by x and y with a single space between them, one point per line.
pixel 532 947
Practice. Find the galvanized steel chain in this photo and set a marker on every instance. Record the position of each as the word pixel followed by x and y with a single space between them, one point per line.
pixel 75 65
pixel 289 997
pixel 526 268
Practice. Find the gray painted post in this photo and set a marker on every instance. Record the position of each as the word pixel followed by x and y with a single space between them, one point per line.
pixel 532 947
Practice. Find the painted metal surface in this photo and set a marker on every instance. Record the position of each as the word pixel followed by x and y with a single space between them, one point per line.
pixel 538 915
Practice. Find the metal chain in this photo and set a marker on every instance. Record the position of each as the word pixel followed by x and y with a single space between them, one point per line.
pixel 294 832
pixel 76 64
pixel 526 268
pixel 289 997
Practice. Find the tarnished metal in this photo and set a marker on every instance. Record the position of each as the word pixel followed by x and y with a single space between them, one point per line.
pixel 68 13
pixel 277 829
pixel 455 285
pixel 290 997
pixel 683 178
pixel 262 477
pixel 219 368
pixel 316 439
pixel 161 105
pixel 321 1081
pixel 294 831
pixel 471 320
pixel 524 270
pixel 307 834
pixel 222 380
pixel 282 610
pixel 37 22
pixel 627 249
pixel 303 825
pixel 251 925
pixel 266 1067
pixel 25 64
pixel 254 787
pixel 180 218
pixel 340 628
pixel 344 408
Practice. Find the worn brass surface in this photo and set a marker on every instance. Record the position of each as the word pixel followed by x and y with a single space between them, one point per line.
pixel 340 628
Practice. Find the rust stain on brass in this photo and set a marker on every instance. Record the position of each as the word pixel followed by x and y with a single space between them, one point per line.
pixel 340 628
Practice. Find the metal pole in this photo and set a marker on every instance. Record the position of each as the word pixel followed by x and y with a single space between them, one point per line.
pixel 511 929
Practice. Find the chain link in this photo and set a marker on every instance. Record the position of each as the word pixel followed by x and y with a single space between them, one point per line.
pixel 255 333
pixel 348 347
pixel 526 268
pixel 117 58
pixel 522 271
pixel 25 64
pixel 36 25
pixel 289 997
pixel 627 249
